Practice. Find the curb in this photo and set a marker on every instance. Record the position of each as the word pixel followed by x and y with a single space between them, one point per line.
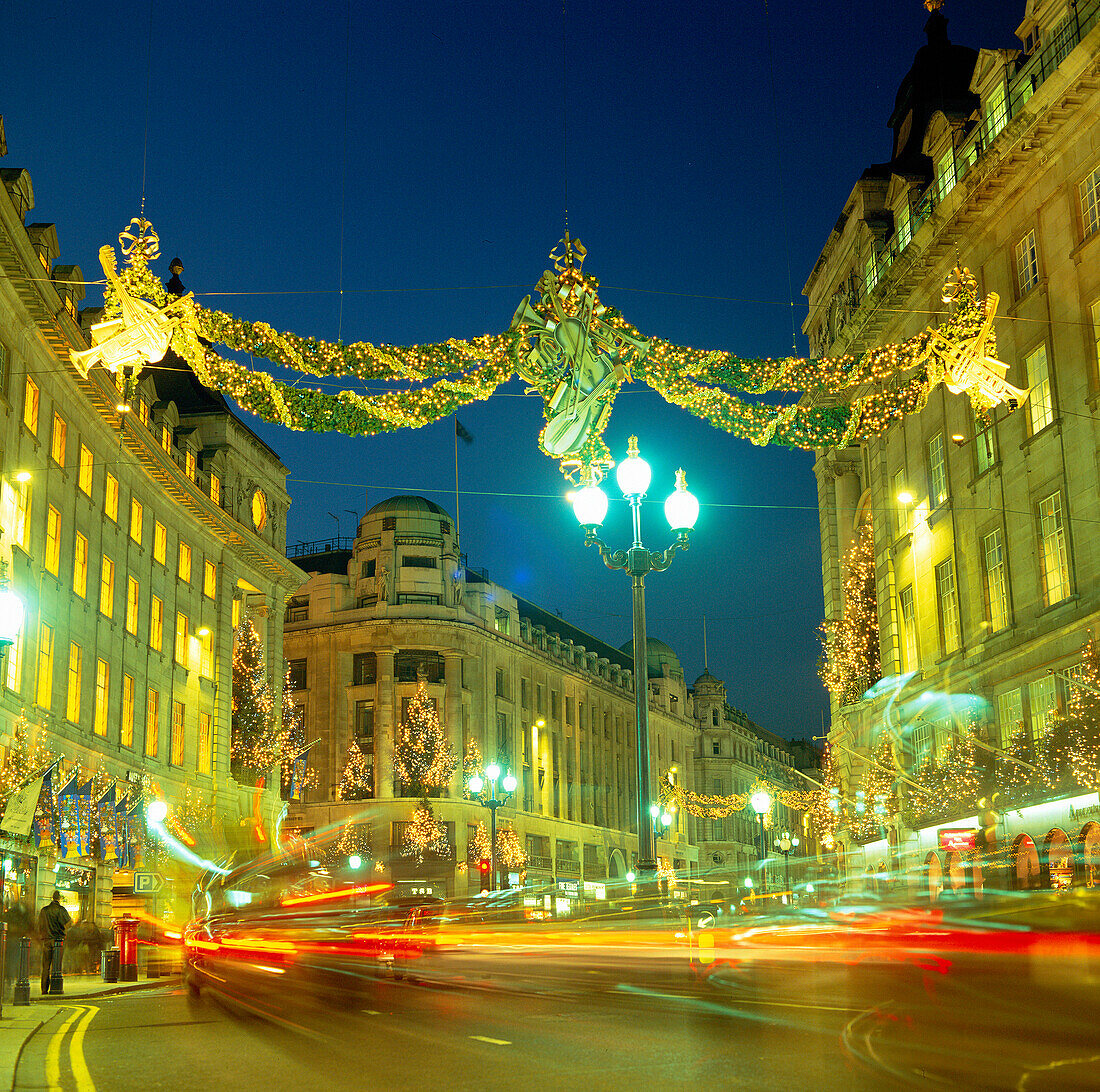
pixel 133 987
pixel 31 1033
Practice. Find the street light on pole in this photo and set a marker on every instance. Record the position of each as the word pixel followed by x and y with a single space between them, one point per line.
pixel 487 798
pixel 633 475
pixel 785 843
pixel 761 803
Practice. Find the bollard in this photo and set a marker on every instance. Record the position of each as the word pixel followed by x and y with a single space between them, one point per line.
pixel 127 949
pixel 57 980
pixel 3 961
pixel 22 994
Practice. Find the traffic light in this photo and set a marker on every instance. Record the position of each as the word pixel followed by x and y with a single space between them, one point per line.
pixel 483 869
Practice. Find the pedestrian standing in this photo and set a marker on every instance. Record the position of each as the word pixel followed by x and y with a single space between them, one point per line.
pixel 53 920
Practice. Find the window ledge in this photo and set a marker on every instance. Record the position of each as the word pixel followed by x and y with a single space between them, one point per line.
pixel 1083 245
pixel 1093 400
pixel 939 512
pixel 902 542
pixel 1053 429
pixel 993 468
pixel 1024 297
pixel 1062 604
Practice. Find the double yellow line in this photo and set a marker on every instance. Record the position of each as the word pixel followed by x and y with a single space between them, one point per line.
pixel 82 1016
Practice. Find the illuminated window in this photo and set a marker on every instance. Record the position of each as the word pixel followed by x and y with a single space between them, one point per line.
pixel 1094 312
pixel 57 440
pixel 30 406
pixel 206 724
pixel 110 498
pixel 909 628
pixel 236 613
pixel 156 624
pixel 152 724
pixel 176 753
pixel 1039 402
pixel 949 605
pixel 160 542
pixel 945 174
pixel 84 470
pixel 145 415
pixel 136 516
pixel 206 660
pixel 985 442
pixel 52 560
pixel 107 588
pixel 1010 715
pixel 44 690
pixel 80 566
pixel 1053 553
pixel 903 225
pixel 209 579
pixel 181 639
pixel 21 519
pixel 190 464
pixel 72 692
pixel 995 113
pixel 13 675
pixel 996 581
pixel 102 687
pixel 1042 702
pixel 126 732
pixel 937 471
pixel 131 605
pixel 1027 263
pixel 259 510
pixel 1090 203
pixel 215 489
pixel 166 439
pixel 184 571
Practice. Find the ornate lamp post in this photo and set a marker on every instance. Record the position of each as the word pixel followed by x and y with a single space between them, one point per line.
pixel 761 802
pixel 681 510
pixel 487 798
pixel 785 843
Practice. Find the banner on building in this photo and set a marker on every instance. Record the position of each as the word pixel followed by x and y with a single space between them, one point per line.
pixel 19 814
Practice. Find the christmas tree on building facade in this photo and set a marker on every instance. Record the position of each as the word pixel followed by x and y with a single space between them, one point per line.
pixel 1082 720
pixel 424 835
pixel 296 774
pixel 424 759
pixel 253 743
pixel 357 777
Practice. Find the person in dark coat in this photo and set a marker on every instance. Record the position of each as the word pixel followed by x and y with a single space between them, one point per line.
pixel 53 920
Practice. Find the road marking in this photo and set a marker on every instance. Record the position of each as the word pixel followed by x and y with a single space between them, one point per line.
pixel 495 1042
pixel 81 1076
pixel 53 1053
pixel 372 1012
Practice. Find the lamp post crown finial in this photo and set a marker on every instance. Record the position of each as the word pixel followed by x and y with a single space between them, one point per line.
pixel 632 447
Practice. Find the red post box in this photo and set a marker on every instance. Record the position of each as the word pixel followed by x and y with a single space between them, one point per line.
pixel 126 928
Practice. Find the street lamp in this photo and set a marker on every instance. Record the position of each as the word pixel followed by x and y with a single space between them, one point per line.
pixel 785 843
pixel 681 510
pixel 487 798
pixel 761 801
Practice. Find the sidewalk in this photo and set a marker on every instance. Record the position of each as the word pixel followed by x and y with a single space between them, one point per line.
pixel 20 1022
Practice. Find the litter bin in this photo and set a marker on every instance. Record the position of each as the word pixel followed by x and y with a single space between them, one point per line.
pixel 108 964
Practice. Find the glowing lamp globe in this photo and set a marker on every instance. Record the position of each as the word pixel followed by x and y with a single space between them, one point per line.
pixel 666 819
pixel 633 473
pixel 475 785
pixel 509 783
pixel 682 507
pixel 590 505
pixel 630 877
pixel 11 616
pixel 157 811
pixel 355 861
pixel 492 771
pixel 654 810
pixel 761 801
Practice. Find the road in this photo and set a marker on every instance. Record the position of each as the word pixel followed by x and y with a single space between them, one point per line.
pixel 809 1027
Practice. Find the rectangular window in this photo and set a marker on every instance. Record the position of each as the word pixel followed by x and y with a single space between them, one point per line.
pixel 84 470
pixel 57 440
pixel 1053 554
pixel 206 658
pixel 235 614
pixel 166 439
pixel 1041 699
pixel 1010 715
pixel 80 566
pixel 126 732
pixel 364 721
pixel 1027 263
pixel 21 514
pixel 145 412
pixel 996 581
pixel 985 444
pixel 184 570
pixel 945 174
pixel 364 668
pixel 1090 204
pixel 5 368
pixel 909 628
pixel 502 621
pixel 44 689
pixel 418 561
pixel 298 679
pixel 995 113
pixel 949 605
pixel 110 498
pixel 190 464
pixel 1040 404
pixel 30 406
pixel 53 540
pixel 1094 312
pixel 72 691
pixel 156 624
pixel 13 677
pixel 903 224
pixel 500 683
pixel 102 687
pixel 937 471
pixel 137 514
pixel 107 588
pixel 206 731
pixel 209 579
pixel 152 724
pixel 160 542
pixel 215 489
pixel 131 605
pixel 176 754
pixel 181 638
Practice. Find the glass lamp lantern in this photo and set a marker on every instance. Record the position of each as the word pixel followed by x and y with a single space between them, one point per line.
pixel 633 474
pixel 682 507
pixel 11 617
pixel 590 505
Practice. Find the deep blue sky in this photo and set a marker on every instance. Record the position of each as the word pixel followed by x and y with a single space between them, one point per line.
pixel 684 182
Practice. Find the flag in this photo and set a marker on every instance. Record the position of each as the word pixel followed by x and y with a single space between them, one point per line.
pixel 462 432
pixel 19 814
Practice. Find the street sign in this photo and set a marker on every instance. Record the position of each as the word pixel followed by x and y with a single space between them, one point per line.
pixel 147 883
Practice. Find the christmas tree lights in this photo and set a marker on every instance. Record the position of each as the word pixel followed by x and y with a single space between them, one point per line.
pixel 423 758
pixel 357 776
pixel 425 835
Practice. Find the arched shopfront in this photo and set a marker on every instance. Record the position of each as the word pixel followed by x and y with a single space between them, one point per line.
pixel 1058 855
pixel 1089 842
pixel 933 876
pixel 1026 874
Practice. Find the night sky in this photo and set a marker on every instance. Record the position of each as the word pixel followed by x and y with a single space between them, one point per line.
pixel 705 151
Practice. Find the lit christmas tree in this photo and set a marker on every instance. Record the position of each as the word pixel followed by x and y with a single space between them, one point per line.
pixel 23 760
pixel 511 856
pixel 1015 779
pixel 424 759
pixel 924 798
pixel 357 777
pixel 965 774
pixel 471 765
pixel 296 774
pixel 822 811
pixel 850 659
pixel 479 847
pixel 425 835
pixel 1082 719
pixel 878 788
pixel 253 745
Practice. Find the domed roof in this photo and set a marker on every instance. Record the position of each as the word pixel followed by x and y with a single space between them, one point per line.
pixel 408 506
pixel 657 655
pixel 708 683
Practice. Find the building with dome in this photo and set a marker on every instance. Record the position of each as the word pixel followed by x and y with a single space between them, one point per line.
pixel 398 607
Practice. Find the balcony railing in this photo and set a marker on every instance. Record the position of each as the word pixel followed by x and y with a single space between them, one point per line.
pixel 567 868
pixel 541 864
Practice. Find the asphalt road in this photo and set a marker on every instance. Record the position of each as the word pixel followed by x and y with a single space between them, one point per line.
pixel 801 1027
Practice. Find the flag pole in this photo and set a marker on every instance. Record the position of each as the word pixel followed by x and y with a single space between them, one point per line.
pixel 458 525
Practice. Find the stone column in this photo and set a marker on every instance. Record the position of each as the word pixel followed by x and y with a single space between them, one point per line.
pixel 383 726
pixel 452 712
